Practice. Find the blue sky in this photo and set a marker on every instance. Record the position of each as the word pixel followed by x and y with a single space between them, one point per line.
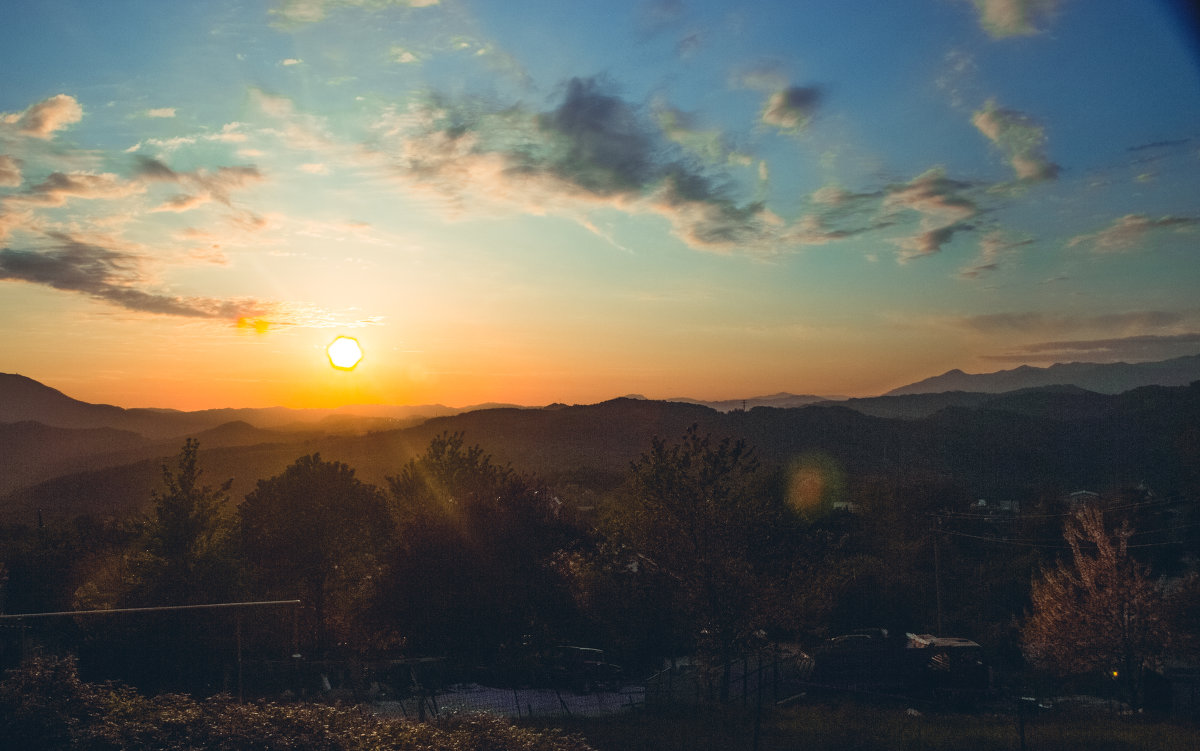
pixel 534 202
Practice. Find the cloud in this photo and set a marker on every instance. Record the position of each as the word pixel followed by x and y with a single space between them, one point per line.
pixel 299 12
pixel 682 128
pixel 1144 347
pixel 10 172
pixel 205 185
pixel 44 119
pixel 791 109
pixel 161 112
pixel 764 76
pixel 813 230
pixel 1130 231
pixel 992 247
pixel 934 195
pixel 111 276
pixel 229 133
pixel 927 242
pixel 602 146
pixel 291 61
pixel 1007 18
pixel 401 55
pixel 594 150
pixel 1021 140
pixel 1128 323
pixel 58 187
pixel 943 211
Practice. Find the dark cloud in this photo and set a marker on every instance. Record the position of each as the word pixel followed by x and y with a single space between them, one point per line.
pixel 593 150
pixel 154 170
pixel 111 276
pixel 792 109
pixel 605 147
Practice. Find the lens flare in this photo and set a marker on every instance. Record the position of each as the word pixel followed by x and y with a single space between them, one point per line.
pixel 815 483
pixel 344 353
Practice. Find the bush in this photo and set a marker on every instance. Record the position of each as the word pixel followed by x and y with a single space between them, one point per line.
pixel 44 705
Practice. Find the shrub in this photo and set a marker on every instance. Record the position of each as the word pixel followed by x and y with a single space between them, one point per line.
pixel 45 705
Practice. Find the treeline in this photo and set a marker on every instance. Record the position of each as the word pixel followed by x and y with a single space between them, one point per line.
pixel 702 551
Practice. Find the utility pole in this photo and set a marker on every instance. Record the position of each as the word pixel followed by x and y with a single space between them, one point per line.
pixel 937 570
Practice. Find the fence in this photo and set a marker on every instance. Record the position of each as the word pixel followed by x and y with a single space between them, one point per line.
pixel 768 675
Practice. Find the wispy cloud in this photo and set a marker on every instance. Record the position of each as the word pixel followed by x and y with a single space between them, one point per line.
pixel 684 129
pixel 1130 231
pixel 1144 347
pixel 229 133
pixel 992 248
pixel 1020 138
pixel 1117 324
pixel 402 55
pixel 205 185
pixel 1008 18
pixel 10 172
pixel 58 187
pixel 163 112
pixel 299 12
pixel 44 119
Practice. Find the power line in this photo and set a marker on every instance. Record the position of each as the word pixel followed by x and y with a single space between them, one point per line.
pixel 155 609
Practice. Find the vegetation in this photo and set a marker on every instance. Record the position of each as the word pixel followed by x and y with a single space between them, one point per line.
pixel 45 705
pixel 314 532
pixel 702 550
pixel 1100 611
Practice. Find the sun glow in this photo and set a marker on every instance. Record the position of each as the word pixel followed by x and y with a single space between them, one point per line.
pixel 344 353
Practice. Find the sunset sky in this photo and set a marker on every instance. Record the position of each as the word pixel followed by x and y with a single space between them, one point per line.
pixel 559 201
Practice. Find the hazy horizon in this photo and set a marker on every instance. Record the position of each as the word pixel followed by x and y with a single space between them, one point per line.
pixel 532 203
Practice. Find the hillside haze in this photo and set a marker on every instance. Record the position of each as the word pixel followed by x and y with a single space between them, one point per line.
pixel 990 445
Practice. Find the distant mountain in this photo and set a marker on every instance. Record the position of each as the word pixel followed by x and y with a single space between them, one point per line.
pixel 782 400
pixel 1104 378
pixel 1016 445
pixel 24 399
pixel 32 452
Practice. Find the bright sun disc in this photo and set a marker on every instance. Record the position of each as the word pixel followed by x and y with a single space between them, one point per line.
pixel 344 353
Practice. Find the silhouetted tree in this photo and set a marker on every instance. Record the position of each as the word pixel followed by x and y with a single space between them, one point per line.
pixel 1099 611
pixel 696 514
pixel 187 563
pixel 315 531
pixel 468 574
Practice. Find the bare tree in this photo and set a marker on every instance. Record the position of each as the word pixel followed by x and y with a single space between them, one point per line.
pixel 1099 611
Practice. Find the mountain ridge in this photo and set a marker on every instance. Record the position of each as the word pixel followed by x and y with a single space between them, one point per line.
pixel 1105 378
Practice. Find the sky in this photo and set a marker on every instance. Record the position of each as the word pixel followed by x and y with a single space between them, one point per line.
pixel 538 201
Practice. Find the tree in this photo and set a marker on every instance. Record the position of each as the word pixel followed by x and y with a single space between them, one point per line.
pixel 696 514
pixel 315 531
pixel 184 534
pixel 1099 611
pixel 468 573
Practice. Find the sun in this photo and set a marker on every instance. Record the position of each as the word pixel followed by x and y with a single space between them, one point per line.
pixel 344 353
